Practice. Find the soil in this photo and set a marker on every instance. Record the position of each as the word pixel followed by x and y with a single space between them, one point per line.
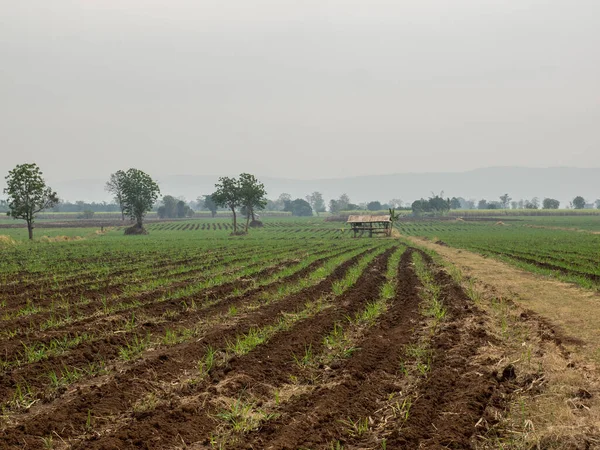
pixel 447 403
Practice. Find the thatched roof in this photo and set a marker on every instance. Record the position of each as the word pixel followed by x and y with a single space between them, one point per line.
pixel 368 219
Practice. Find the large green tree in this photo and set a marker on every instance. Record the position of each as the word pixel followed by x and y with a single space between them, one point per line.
pixel 316 202
pixel 227 194
pixel 28 194
pixel 505 201
pixel 115 186
pixel 209 203
pixel 579 202
pixel 140 193
pixel 550 203
pixel 253 195
pixel 299 207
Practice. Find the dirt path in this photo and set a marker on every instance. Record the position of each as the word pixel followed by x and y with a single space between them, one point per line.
pixel 574 311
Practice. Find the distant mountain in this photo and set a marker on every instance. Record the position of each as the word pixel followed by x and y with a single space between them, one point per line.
pixel 562 183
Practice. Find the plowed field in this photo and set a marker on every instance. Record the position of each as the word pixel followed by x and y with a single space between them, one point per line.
pixel 240 343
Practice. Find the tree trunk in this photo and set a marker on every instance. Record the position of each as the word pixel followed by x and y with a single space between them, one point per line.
pixel 122 214
pixel 139 222
pixel 30 229
pixel 234 220
pixel 247 221
pixel 252 212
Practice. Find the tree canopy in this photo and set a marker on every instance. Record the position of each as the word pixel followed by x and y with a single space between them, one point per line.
pixel 299 207
pixel 115 186
pixel 550 203
pixel 28 194
pixel 579 202
pixel 234 193
pixel 316 202
pixel 140 192
pixel 253 195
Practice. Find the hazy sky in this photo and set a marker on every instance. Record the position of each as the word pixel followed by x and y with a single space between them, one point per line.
pixel 305 88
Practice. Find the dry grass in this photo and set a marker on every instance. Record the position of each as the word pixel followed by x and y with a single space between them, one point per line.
pixel 6 240
pixel 548 331
pixel 60 238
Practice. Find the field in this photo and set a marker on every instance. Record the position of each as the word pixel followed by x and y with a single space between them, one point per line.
pixel 567 248
pixel 295 336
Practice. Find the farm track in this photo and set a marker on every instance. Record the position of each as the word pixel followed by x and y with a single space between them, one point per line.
pixel 109 334
pixel 264 369
pixel 115 393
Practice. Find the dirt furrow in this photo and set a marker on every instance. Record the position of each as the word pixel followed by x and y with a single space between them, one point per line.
pixel 315 419
pixel 114 394
pixel 264 369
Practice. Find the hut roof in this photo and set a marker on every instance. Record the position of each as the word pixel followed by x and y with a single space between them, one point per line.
pixel 368 219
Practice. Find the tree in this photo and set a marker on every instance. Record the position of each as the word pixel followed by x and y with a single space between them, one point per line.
pixel 299 207
pixel 597 203
pixel 482 204
pixel 334 206
pixel 514 204
pixel 168 210
pixel 209 204
pixel 439 205
pixel 279 204
pixel 140 193
pixel 579 202
pixel 534 203
pixel 550 203
pixel 28 194
pixel 227 194
pixel 420 206
pixel 455 203
pixel 505 200
pixel 316 202
pixel 344 202
pixel 252 195
pixel 182 209
pixel 374 206
pixel 115 186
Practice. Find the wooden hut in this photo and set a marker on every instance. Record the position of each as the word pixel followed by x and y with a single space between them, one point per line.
pixel 370 224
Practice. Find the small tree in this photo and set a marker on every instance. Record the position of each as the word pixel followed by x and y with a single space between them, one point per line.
pixel 140 193
pixel 299 208
pixel 598 204
pixel 210 205
pixel 505 201
pixel 115 186
pixel 252 195
pixel 579 202
pixel 228 194
pixel 316 202
pixel 182 209
pixel 420 206
pixel 374 206
pixel 482 204
pixel 550 203
pixel 28 194
pixel 170 206
pixel 455 203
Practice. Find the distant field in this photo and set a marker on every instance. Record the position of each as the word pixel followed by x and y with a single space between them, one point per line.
pixel 565 247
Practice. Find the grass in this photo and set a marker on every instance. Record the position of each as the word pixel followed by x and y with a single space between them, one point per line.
pixel 134 348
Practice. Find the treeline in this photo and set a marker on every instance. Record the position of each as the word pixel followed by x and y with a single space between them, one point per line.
pixel 437 204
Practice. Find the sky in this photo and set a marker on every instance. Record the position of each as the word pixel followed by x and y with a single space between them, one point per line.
pixel 299 89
